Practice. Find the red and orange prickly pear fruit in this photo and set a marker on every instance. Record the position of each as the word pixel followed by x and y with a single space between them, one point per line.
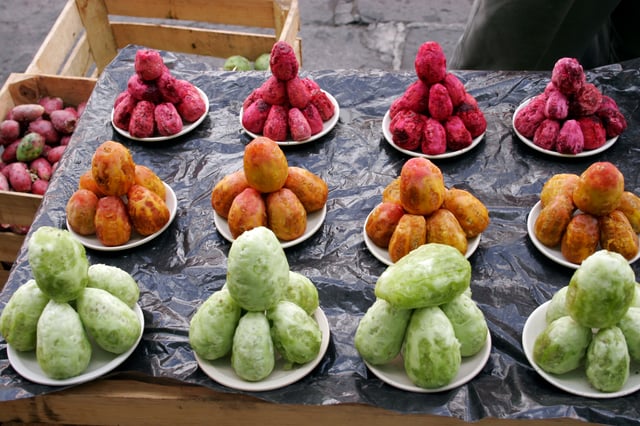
pixel 113 168
pixel 265 165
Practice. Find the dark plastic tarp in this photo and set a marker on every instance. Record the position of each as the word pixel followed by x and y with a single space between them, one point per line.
pixel 184 265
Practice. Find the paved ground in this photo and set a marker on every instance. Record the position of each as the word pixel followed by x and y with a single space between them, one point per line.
pixel 336 34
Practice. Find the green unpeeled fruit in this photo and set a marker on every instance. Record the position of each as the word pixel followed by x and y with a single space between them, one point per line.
pixel 608 360
pixel 630 327
pixel 116 281
pixel 252 352
pixel 562 346
pixel 601 290
pixel 296 335
pixel 19 319
pixel 213 325
pixel 262 62
pixel 430 275
pixel 257 269
pixel 59 263
pixel 468 323
pixel 301 291
pixel 113 325
pixel 380 332
pixel 237 63
pixel 431 350
pixel 30 147
pixel 557 306
pixel 63 349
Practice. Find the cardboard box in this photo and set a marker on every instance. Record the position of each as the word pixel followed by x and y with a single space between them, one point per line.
pixel 20 208
pixel 88 33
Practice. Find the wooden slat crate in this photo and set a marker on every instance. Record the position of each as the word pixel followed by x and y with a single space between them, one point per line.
pixel 20 208
pixel 88 33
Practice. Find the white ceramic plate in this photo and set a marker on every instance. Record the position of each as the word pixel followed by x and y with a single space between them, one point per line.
pixel 314 222
pixel 394 374
pixel 326 127
pixel 574 382
pixel 102 362
pixel 382 254
pixel 221 371
pixel 386 122
pixel 530 143
pixel 186 128
pixel 92 241
pixel 552 253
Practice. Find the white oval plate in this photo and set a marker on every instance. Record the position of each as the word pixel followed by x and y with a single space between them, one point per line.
pixel 314 222
pixel 102 362
pixel 92 241
pixel 382 254
pixel 530 143
pixel 326 127
pixel 574 382
pixel 186 128
pixel 221 371
pixel 394 374
pixel 386 122
pixel 552 253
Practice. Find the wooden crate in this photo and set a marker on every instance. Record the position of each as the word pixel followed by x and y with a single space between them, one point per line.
pixel 20 208
pixel 88 33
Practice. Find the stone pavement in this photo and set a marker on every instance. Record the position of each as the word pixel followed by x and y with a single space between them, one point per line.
pixel 376 34
pixel 336 34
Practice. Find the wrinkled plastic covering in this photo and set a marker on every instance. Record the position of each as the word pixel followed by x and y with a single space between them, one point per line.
pixel 510 278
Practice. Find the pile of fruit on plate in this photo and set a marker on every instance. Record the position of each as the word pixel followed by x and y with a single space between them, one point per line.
pixel 581 214
pixel 264 310
pixel 156 103
pixel 117 197
pixel 593 324
pixel 571 115
pixel 424 312
pixel 68 304
pixel 286 105
pixel 435 114
pixel 268 192
pixel 417 209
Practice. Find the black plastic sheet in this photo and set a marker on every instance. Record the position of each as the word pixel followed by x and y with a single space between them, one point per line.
pixel 178 270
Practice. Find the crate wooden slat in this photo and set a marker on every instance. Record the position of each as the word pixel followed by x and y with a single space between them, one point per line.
pixel 65 49
pixel 16 209
pixel 248 13
pixel 88 33
pixel 193 40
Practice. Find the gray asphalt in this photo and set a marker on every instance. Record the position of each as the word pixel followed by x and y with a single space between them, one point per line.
pixel 336 34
